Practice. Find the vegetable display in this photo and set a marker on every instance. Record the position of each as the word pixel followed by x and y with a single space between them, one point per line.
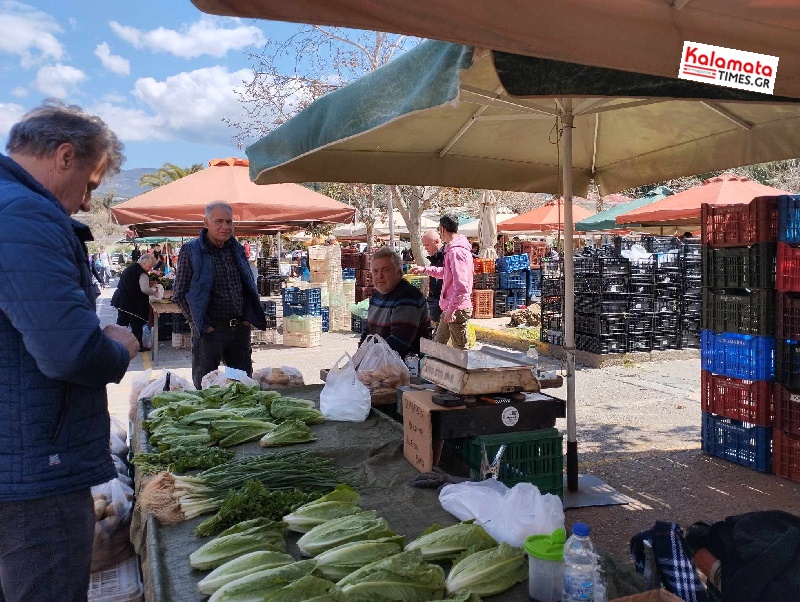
pixel 337 563
pixel 247 564
pixel 405 576
pixel 342 501
pixel 249 536
pixel 291 431
pixel 357 527
pixel 256 586
pixel 437 543
pixel 488 572
pixel 182 459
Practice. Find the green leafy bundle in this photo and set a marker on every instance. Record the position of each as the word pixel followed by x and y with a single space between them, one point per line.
pixel 181 459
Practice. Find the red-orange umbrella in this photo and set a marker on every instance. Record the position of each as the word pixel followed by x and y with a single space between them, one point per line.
pixel 683 209
pixel 547 218
pixel 228 180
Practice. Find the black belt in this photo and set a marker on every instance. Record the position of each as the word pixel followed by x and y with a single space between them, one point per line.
pixel 230 323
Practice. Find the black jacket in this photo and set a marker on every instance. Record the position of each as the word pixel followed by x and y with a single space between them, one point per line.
pixel 435 286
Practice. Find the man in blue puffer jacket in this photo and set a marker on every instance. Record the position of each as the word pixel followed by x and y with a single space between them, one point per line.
pixel 55 360
pixel 215 289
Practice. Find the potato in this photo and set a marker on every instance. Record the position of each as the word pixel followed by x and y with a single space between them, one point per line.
pixel 99 509
pixel 109 511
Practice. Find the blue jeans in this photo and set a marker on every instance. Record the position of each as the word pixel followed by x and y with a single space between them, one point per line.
pixel 46 548
pixel 230 344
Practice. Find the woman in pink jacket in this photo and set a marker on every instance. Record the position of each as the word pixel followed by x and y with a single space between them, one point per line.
pixel 456 275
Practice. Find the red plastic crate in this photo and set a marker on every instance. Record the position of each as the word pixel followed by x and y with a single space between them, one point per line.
pixel 483 304
pixel 787 410
pixel 483 266
pixel 364 292
pixel 787 316
pixel 786 455
pixel 746 400
pixel 534 249
pixel 740 225
pixel 787 268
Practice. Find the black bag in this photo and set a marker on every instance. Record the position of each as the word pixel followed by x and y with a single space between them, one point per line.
pixel 115 298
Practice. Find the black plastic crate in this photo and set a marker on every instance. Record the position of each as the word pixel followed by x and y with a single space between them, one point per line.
pixel 690 338
pixel 552 288
pixel 641 304
pixel 614 284
pixel 643 270
pixel 552 303
pixel 272 322
pixel 669 291
pixel 601 344
pixel 692 305
pixel 666 305
pixel 640 342
pixel 666 323
pixel 356 323
pixel 787 363
pixel 661 244
pixel 603 266
pixel 740 267
pixel 485 281
pixel 587 283
pixel 640 323
pixel 270 308
pixel 553 322
pixel 692 286
pixel 552 337
pixel 663 341
pixel 641 289
pixel 598 324
pixel 552 269
pixel 741 311
pixel 669 274
pixel 692 249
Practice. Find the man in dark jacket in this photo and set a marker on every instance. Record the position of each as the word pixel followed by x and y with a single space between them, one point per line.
pixel 215 289
pixel 55 360
pixel 435 250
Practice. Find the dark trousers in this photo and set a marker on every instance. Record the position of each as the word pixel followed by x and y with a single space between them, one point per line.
pixel 136 324
pixel 230 344
pixel 46 548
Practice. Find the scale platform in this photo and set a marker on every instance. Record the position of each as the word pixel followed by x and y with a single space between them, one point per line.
pixel 484 371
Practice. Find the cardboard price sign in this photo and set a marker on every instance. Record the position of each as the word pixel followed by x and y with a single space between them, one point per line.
pixel 417 428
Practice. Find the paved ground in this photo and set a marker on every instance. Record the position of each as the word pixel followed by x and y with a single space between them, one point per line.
pixel 638 430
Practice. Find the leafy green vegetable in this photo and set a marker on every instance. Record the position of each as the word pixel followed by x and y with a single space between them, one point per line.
pixel 237 568
pixel 166 443
pixel 337 563
pixel 488 572
pixel 205 417
pixel 253 500
pixel 237 430
pixel 168 397
pixel 261 534
pixel 297 401
pixel 357 527
pixel 291 431
pixel 256 586
pixel 342 501
pixel 403 577
pixel 438 543
pixel 306 588
pixel 288 408
pixel 181 459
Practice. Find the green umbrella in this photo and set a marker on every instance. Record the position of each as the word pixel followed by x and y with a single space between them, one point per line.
pixel 606 220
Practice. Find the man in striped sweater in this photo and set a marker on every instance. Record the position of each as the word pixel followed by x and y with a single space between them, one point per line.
pixel 398 312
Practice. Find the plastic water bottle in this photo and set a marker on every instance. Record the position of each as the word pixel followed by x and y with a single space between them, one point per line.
pixel 580 566
pixel 533 353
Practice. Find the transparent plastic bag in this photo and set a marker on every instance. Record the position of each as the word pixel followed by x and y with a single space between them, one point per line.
pixel 221 378
pixel 285 376
pixel 147 337
pixel 176 383
pixel 381 368
pixel 344 397
pixel 113 507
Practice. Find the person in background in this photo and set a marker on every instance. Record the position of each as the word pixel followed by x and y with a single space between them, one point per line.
pixel 247 250
pixel 435 250
pixel 136 253
pixel 398 311
pixel 456 275
pixel 132 297
pixel 105 265
pixel 554 253
pixel 617 250
pixel 216 291
pixel 476 249
pixel 55 359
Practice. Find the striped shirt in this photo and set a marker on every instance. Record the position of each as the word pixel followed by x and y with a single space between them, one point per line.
pixel 401 318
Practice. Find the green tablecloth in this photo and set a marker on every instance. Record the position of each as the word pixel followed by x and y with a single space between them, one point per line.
pixel 372 449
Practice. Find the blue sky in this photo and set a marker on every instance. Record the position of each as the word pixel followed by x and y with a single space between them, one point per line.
pixel 161 74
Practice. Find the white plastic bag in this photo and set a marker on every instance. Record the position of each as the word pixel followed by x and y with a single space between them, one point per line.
pixel 508 515
pixel 344 397
pixel 147 337
pixel 221 378
pixel 381 368
pixel 113 503
pixel 285 376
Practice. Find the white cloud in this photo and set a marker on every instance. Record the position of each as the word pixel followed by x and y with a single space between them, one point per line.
pixel 114 98
pixel 9 115
pixel 58 80
pixel 208 36
pixel 19 92
pixel 112 62
pixel 29 33
pixel 132 125
pixel 192 104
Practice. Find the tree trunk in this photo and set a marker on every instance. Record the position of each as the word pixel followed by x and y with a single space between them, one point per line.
pixel 411 210
pixel 369 217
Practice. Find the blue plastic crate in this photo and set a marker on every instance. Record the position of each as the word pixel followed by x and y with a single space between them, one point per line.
pixel 738 355
pixel 512 263
pixel 737 441
pixel 294 295
pixel 509 280
pixel 326 317
pixel 517 297
pixel 302 309
pixel 534 283
pixel 789 218
pixel 270 308
pixel 348 273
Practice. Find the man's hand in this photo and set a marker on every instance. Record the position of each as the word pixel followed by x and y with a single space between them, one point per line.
pixel 120 334
pixel 417 269
pixel 447 316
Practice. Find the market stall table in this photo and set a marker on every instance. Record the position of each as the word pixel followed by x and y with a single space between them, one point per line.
pixel 159 308
pixel 373 450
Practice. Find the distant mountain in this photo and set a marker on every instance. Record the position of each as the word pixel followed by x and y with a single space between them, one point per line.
pixel 125 184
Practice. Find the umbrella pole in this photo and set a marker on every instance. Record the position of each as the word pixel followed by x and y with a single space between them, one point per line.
pixel 278 247
pixel 569 300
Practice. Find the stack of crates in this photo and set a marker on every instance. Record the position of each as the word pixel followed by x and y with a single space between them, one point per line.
pixel 552 304
pixel 269 279
pixel 485 278
pixel 364 288
pixel 786 425
pixel 302 317
pixel 512 273
pixel 536 251
pixel 737 338
pixel 692 293
pixel 602 303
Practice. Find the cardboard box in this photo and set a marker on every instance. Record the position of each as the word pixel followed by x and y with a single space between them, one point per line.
pixel 418 428
pixel 654 595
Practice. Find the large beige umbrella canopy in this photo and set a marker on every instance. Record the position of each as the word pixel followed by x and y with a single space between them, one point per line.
pixel 547 218
pixel 487 226
pixel 179 207
pixel 444 115
pixel 641 36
